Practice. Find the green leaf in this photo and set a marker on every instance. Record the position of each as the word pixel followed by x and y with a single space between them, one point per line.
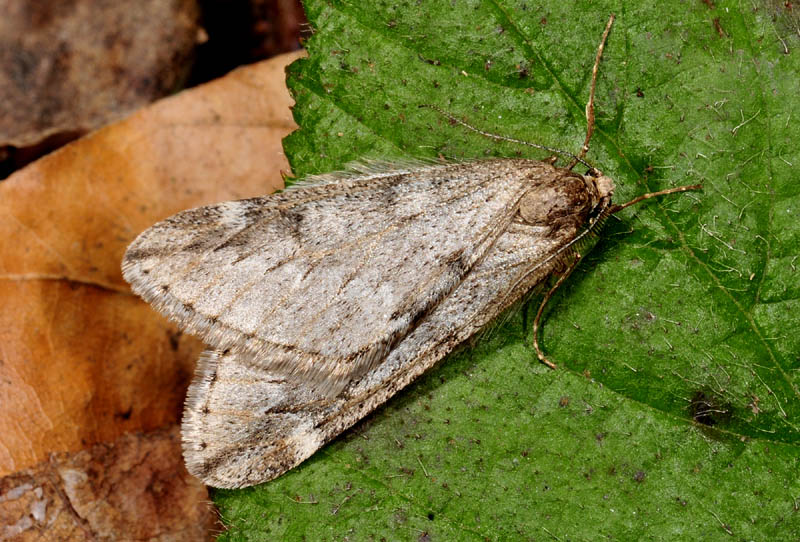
pixel 675 413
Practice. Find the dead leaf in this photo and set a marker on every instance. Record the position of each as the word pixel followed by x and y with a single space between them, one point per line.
pixel 81 359
pixel 132 489
pixel 70 67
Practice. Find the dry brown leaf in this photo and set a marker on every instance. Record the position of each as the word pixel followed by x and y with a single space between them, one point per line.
pixel 133 489
pixel 69 67
pixel 81 359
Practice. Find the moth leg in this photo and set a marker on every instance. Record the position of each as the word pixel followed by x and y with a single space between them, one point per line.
pixel 590 103
pixel 538 318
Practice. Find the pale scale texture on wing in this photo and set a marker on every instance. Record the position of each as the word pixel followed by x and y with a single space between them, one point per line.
pixel 245 425
pixel 322 281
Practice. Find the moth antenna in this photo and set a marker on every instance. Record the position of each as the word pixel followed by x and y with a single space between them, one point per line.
pixel 590 103
pixel 538 318
pixel 498 137
pixel 617 208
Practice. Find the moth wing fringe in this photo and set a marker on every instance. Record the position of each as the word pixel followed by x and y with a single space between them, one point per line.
pixel 375 168
pixel 191 427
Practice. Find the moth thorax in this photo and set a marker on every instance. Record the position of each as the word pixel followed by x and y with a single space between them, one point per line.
pixel 569 197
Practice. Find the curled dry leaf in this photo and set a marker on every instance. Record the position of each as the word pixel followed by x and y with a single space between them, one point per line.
pixel 82 360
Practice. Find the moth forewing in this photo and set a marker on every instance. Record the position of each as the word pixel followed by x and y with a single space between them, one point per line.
pixel 241 274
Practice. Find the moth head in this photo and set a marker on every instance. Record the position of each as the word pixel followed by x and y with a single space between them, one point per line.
pixel 567 198
pixel 604 185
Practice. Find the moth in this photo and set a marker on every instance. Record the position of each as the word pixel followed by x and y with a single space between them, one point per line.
pixel 321 302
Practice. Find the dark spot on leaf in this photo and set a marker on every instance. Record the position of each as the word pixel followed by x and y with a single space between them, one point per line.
pixel 705 409
pixel 639 476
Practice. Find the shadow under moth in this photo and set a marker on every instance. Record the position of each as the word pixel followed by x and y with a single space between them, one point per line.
pixel 321 302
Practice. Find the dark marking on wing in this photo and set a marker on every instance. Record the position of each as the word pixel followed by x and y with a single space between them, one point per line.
pixel 145 253
pixel 292 223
